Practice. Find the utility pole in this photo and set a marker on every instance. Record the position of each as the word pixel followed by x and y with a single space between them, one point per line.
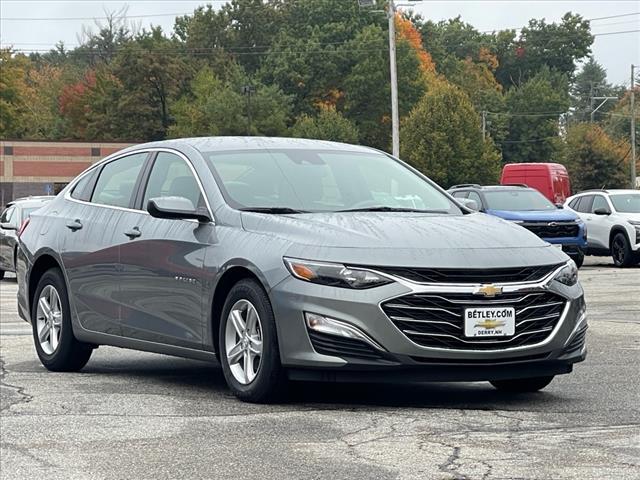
pixel 395 118
pixel 248 90
pixel 592 98
pixel 633 129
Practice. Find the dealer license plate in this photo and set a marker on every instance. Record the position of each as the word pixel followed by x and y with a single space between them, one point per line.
pixel 490 322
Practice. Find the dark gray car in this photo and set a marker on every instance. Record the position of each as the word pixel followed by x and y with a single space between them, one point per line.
pixel 11 219
pixel 294 259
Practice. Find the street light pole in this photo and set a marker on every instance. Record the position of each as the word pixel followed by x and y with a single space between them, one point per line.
pixel 395 119
pixel 633 129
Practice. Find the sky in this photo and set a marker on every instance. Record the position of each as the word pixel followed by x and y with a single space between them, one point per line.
pixel 615 52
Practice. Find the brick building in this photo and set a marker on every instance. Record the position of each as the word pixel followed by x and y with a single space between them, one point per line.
pixel 43 167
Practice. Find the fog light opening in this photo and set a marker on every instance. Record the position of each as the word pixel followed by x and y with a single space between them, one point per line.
pixel 331 326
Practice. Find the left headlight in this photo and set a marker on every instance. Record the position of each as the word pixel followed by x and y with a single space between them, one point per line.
pixel 334 274
pixel 568 275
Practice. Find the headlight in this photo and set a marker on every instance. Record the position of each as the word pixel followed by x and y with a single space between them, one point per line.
pixel 334 274
pixel 516 221
pixel 568 275
pixel 635 223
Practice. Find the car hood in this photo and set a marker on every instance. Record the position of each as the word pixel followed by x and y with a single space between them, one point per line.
pixel 391 238
pixel 558 215
pixel 635 217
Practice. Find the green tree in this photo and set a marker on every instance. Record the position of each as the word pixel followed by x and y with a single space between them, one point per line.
pixel 593 159
pixel 534 112
pixel 591 80
pixel 326 125
pixel 218 107
pixel 13 94
pixel 442 138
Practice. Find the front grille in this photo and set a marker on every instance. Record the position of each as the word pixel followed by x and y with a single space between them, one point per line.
pixel 553 229
pixel 471 275
pixel 342 347
pixel 437 320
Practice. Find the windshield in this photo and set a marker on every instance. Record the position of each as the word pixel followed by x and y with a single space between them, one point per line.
pixel 517 200
pixel 627 202
pixel 321 181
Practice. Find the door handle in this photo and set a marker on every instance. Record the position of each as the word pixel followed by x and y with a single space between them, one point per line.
pixel 74 225
pixel 133 233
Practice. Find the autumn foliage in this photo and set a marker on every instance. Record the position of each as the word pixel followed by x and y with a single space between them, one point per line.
pixel 408 32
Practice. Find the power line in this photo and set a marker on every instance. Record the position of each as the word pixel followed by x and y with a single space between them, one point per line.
pixel 614 16
pixel 533 114
pixel 535 140
pixel 615 33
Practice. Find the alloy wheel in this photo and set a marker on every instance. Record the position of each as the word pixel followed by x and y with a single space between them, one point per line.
pixel 618 250
pixel 49 319
pixel 243 341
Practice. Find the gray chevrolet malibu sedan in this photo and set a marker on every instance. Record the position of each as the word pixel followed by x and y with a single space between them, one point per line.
pixel 294 260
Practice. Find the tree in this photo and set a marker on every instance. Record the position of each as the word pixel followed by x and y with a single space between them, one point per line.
pixel 218 107
pixel 591 80
pixel 13 93
pixel 442 138
pixel 593 159
pixel 326 125
pixel 534 112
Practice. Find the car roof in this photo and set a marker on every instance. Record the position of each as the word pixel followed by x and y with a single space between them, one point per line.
pixel 491 187
pixel 617 191
pixel 208 144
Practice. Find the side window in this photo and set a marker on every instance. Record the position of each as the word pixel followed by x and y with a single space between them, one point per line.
pixel 82 189
pixel 460 194
pixel 172 177
pixel 573 204
pixel 585 204
pixel 599 202
pixel 476 197
pixel 7 215
pixel 117 180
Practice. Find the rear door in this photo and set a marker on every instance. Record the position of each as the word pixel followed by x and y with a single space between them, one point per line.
pixel 162 292
pixel 90 245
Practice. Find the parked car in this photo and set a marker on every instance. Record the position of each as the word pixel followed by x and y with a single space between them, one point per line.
pixel 613 219
pixel 10 220
pixel 294 259
pixel 550 179
pixel 530 209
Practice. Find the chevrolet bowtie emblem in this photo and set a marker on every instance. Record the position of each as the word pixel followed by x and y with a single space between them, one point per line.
pixel 488 291
pixel 490 324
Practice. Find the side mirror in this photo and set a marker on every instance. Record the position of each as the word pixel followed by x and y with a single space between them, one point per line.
pixel 176 208
pixel 470 204
pixel 8 226
pixel 602 211
pixel 559 206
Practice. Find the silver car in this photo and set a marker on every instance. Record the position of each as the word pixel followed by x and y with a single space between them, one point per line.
pixel 294 260
pixel 11 220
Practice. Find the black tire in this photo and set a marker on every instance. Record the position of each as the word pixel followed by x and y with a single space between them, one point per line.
pixel 1 274
pixel 621 251
pixel 70 354
pixel 522 385
pixel 578 258
pixel 270 383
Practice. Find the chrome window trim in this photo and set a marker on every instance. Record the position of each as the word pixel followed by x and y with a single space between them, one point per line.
pixel 67 195
pixel 539 286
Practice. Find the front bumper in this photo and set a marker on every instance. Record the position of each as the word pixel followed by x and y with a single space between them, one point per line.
pixel 403 359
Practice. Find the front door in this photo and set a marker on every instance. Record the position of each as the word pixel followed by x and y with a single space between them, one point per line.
pixel 162 293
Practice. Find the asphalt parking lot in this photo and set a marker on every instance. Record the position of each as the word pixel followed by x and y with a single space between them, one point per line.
pixel 137 415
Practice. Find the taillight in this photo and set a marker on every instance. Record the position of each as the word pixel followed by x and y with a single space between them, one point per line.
pixel 23 226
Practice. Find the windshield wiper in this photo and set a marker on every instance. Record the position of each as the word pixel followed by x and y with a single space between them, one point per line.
pixel 382 208
pixel 274 210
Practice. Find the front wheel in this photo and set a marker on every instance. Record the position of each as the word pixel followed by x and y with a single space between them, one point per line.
pixel 55 343
pixel 248 345
pixel 578 258
pixel 522 385
pixel 621 251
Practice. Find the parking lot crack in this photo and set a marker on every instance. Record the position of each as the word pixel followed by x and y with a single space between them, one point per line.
pixel 23 397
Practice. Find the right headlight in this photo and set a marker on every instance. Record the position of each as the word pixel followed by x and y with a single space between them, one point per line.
pixel 568 275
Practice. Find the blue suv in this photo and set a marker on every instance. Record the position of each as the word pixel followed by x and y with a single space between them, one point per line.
pixel 532 210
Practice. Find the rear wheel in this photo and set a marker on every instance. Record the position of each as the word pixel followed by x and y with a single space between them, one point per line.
pixel 248 345
pixel 621 251
pixel 522 385
pixel 1 274
pixel 55 343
